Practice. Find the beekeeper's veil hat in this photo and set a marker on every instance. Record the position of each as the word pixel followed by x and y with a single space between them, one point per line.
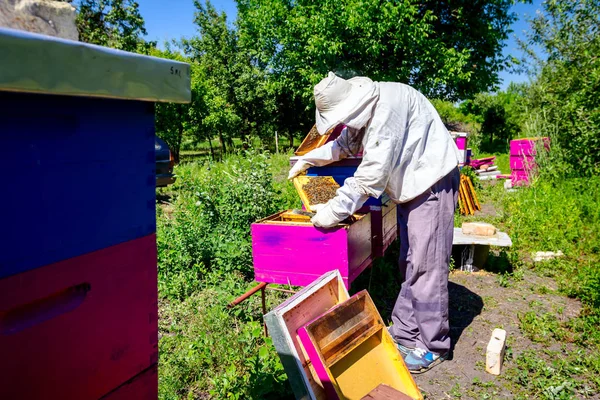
pixel 341 101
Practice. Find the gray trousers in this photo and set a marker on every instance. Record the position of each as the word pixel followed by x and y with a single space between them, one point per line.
pixel 426 225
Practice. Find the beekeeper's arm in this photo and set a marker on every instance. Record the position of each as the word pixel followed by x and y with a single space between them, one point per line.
pixel 343 146
pixel 381 152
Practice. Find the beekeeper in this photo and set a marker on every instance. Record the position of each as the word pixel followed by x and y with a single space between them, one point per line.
pixel 408 154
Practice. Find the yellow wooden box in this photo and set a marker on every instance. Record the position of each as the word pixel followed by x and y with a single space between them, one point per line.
pixel 352 351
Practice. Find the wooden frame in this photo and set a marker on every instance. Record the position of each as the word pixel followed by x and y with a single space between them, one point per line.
pixel 312 142
pixel 352 351
pixel 302 180
pixel 283 322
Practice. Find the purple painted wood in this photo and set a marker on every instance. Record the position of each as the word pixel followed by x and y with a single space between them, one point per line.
pixel 317 363
pixel 461 142
pixel 298 253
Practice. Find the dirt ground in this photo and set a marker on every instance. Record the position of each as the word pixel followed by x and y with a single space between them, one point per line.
pixel 478 304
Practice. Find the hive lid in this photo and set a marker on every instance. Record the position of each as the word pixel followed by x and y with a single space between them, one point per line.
pixel 37 63
pixel 309 198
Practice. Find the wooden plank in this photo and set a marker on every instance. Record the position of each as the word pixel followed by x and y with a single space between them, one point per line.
pixel 385 392
pixel 323 293
pixel 350 346
pixel 465 204
pixel 461 202
pixel 473 193
pixel 467 198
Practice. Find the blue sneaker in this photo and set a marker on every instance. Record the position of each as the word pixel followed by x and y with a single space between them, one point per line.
pixel 421 360
pixel 404 350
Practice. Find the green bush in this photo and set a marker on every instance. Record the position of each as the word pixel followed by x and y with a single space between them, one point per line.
pixel 563 101
pixel 208 227
pixel 554 215
pixel 206 351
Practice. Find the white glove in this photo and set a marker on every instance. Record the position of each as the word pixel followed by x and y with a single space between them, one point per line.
pixel 348 200
pixel 325 218
pixel 298 168
pixel 317 207
pixel 318 157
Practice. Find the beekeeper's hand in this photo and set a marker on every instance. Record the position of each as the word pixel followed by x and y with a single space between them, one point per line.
pixel 324 155
pixel 317 207
pixel 325 217
pixel 349 198
pixel 298 168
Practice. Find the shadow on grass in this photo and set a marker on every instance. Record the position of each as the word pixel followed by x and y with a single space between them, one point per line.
pixel 464 306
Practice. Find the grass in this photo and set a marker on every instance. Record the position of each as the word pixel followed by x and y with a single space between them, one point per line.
pixel 209 351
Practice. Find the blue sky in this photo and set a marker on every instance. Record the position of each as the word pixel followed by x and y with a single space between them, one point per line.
pixel 172 19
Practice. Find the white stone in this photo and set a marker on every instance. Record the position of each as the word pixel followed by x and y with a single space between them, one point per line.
pixel 546 255
pixel 494 355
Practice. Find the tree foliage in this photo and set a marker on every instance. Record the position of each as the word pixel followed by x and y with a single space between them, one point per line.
pixel 238 98
pixel 448 49
pixel 112 23
pixel 499 114
pixel 563 102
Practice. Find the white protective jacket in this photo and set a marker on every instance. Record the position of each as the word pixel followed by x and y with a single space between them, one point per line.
pixel 406 149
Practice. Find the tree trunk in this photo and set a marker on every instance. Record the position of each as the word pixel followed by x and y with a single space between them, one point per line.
pixel 291 139
pixel 223 144
pixel 179 140
pixel 212 150
pixel 243 137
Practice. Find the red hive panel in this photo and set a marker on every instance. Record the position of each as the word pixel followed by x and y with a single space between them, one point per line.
pixel 143 387
pixel 79 328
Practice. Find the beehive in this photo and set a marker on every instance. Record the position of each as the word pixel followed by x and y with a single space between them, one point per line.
pixel 288 249
pixel 78 295
pixel 522 158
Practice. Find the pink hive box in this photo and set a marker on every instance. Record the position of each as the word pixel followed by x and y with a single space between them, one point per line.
pixel 527 146
pixel 460 138
pixel 288 249
pixel 522 158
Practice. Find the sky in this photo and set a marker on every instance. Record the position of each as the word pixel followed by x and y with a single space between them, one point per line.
pixel 172 19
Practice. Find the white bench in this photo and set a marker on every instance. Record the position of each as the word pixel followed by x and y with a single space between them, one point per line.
pixel 475 249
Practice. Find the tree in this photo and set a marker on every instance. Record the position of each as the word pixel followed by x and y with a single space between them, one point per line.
pixel 174 122
pixel 499 115
pixel 449 49
pixel 563 102
pixel 112 23
pixel 239 100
